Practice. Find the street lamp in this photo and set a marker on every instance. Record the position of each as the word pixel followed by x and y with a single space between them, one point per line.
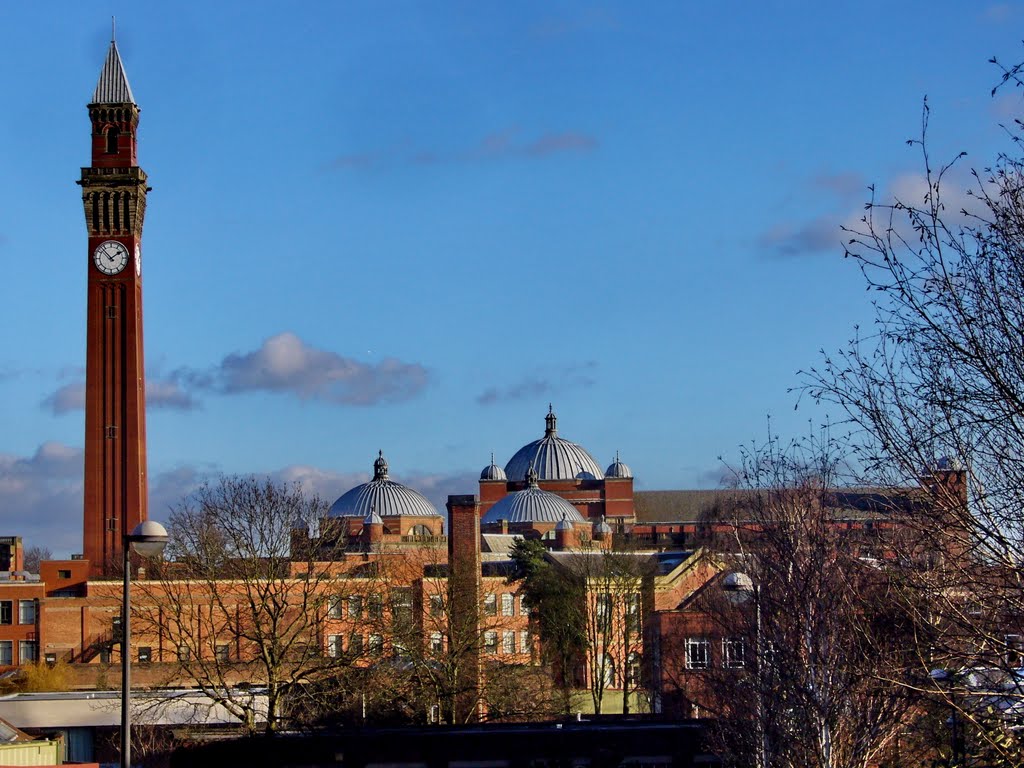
pixel 148 540
pixel 737 582
pixel 946 680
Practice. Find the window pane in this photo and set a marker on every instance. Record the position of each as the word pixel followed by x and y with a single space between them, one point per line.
pixel 334 646
pixel 733 652
pixel 697 653
pixel 507 605
pixel 28 651
pixel 6 612
pixel 508 642
pixel 6 648
pixel 334 607
pixel 26 611
pixel 490 604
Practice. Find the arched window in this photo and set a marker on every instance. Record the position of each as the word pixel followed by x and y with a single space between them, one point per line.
pixel 420 530
pixel 112 134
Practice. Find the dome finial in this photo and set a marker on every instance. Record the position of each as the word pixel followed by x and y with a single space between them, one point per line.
pixel 380 467
pixel 550 422
pixel 531 477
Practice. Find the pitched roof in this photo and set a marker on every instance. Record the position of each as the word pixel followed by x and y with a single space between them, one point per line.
pixel 691 506
pixel 112 87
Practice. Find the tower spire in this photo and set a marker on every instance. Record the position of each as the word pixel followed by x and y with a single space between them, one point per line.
pixel 113 87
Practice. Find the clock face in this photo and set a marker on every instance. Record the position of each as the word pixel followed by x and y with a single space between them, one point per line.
pixel 110 257
pixel 138 260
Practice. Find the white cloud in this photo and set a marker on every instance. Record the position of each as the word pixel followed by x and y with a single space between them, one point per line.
pixel 286 364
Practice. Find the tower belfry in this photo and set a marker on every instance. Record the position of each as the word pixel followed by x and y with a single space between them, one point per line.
pixel 114 196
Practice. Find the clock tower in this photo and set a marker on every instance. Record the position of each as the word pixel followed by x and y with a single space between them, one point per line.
pixel 114 195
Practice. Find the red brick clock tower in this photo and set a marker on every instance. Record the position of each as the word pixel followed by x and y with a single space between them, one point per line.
pixel 114 194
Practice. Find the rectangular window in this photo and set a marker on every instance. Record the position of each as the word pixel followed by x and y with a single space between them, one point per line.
pixel 633 623
pixel 355 644
pixel 376 644
pixel 6 649
pixel 145 654
pixel 698 653
pixel 334 646
pixel 508 604
pixel 490 604
pixel 26 611
pixel 490 641
pixel 436 643
pixel 733 652
pixel 604 609
pixel 6 612
pixel 63 573
pixel 436 605
pixel 401 607
pixel 184 654
pixel 508 641
pixel 334 607
pixel 525 642
pixel 375 606
pixel 524 609
pixel 28 652
pixel 223 652
pixel 355 606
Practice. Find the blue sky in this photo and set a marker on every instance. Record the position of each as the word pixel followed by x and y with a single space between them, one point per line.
pixel 409 226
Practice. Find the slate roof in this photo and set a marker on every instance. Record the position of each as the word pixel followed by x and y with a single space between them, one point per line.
pixel 113 87
pixel 693 505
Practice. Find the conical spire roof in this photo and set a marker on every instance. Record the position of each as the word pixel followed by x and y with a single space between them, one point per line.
pixel 113 87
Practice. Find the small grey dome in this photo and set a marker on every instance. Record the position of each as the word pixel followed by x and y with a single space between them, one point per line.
pixel 564 525
pixel 493 472
pixel 532 505
pixel 381 497
pixel 618 470
pixel 373 518
pixel 603 527
pixel 553 457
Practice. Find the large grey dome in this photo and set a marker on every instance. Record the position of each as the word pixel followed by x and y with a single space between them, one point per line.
pixel 532 505
pixel 554 458
pixel 381 496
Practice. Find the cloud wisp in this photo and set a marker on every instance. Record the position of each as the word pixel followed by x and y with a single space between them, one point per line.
pixel 829 231
pixel 286 364
pixel 283 364
pixel 160 393
pixel 542 383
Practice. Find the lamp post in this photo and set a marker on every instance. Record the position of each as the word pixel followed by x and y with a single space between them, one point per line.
pixel 739 582
pixel 148 540
pixel 945 680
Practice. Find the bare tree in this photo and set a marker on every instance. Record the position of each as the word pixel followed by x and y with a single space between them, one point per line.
pixel 937 388
pixel 234 609
pixel 613 583
pixel 801 644
pixel 34 555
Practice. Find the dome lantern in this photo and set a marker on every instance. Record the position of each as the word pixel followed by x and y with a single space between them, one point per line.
pixel 380 467
pixel 382 497
pixel 553 458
